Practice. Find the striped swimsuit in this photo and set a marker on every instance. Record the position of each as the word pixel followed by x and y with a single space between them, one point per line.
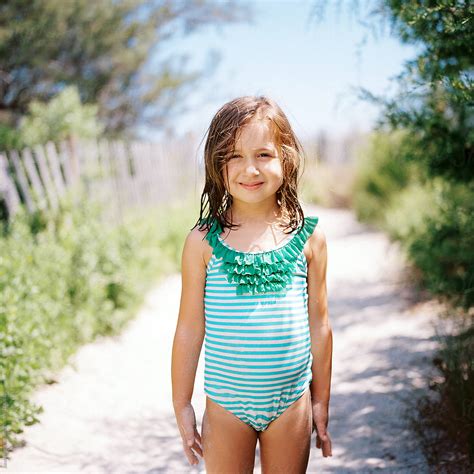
pixel 257 341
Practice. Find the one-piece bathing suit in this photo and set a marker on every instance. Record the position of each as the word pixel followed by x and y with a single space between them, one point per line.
pixel 258 355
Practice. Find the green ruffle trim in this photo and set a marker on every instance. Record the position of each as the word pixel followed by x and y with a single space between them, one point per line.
pixel 261 272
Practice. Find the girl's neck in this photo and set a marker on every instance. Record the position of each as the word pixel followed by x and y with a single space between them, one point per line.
pixel 255 216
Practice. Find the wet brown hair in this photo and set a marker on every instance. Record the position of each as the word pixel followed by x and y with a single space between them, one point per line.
pixel 220 144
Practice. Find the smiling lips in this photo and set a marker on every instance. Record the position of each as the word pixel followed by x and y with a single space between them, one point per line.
pixel 251 185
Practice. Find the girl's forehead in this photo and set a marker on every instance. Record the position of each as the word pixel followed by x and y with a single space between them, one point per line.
pixel 255 135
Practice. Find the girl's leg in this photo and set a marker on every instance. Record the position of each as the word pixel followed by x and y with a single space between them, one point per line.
pixel 228 443
pixel 285 445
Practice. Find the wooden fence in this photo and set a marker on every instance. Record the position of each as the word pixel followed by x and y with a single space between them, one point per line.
pixel 120 175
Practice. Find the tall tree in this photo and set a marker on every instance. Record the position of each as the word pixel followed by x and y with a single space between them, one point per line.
pixel 109 49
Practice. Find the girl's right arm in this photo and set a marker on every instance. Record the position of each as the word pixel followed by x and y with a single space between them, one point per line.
pixel 188 341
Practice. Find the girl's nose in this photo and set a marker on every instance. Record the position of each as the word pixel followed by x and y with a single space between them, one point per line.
pixel 251 168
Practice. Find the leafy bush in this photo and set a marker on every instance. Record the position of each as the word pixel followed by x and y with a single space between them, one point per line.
pixel 431 218
pixel 434 224
pixel 62 116
pixel 9 138
pixel 64 280
pixel 382 172
pixel 444 248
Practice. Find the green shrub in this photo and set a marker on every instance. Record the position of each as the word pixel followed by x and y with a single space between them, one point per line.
pixel 66 279
pixel 9 138
pixel 433 222
pixel 444 248
pixel 64 115
pixel 404 218
pixel 382 172
pixel 431 218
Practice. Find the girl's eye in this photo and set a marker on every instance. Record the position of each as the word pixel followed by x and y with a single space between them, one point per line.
pixel 261 154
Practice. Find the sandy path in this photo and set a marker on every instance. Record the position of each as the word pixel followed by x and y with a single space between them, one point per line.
pixel 112 413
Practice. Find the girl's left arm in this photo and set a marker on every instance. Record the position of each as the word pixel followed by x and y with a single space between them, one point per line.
pixel 321 332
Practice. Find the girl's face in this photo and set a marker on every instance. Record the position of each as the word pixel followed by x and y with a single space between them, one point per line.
pixel 256 162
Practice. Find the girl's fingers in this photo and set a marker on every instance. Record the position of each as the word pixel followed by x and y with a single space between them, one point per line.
pixel 325 444
pixel 192 458
pixel 191 450
pixel 191 438
pixel 198 448
pixel 189 442
pixel 198 436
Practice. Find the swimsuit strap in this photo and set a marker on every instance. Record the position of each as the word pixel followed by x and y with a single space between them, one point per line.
pixel 261 272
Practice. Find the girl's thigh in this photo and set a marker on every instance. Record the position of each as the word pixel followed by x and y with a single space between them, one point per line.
pixel 285 445
pixel 228 443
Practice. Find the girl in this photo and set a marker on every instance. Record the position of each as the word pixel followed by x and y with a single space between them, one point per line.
pixel 257 295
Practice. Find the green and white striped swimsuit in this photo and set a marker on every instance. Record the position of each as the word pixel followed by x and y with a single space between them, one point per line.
pixel 257 341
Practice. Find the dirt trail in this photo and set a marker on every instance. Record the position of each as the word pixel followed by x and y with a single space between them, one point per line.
pixel 112 412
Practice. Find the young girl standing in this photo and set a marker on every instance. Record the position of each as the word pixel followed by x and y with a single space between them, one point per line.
pixel 257 296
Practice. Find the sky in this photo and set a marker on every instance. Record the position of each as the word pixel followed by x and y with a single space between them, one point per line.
pixel 310 68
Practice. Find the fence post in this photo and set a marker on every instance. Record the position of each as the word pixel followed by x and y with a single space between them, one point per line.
pixel 46 177
pixel 38 191
pixel 8 188
pixel 52 158
pixel 22 180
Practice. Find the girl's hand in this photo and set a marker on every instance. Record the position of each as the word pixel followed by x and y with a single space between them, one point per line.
pixel 320 422
pixel 186 419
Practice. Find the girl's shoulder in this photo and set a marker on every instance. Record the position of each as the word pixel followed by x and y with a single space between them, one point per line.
pixel 316 243
pixel 203 237
pixel 193 257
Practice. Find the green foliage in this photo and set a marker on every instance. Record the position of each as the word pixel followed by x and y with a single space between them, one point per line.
pixel 66 279
pixel 432 218
pixel 428 207
pixel 383 170
pixel 436 97
pixel 112 50
pixel 9 138
pixel 434 224
pixel 62 116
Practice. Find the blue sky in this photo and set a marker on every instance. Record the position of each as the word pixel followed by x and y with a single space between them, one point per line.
pixel 308 67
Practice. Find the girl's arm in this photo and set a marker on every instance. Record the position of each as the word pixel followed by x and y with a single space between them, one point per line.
pixel 321 332
pixel 189 334
pixel 321 340
pixel 187 342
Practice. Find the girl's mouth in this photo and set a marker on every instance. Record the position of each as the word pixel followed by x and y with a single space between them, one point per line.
pixel 252 186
